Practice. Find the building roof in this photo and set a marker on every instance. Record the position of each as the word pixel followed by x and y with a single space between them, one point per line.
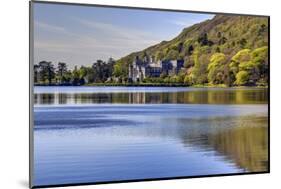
pixel 155 65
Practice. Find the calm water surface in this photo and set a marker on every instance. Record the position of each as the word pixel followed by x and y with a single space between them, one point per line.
pixel 94 134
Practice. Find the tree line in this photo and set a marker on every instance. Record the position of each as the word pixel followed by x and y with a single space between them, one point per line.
pixel 45 73
pixel 245 68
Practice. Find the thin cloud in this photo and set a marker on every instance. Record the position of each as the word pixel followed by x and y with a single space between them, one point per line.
pixel 117 31
pixel 49 27
pixel 53 28
pixel 187 22
pixel 117 42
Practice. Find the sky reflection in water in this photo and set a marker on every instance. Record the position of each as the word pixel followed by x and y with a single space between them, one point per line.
pixel 195 132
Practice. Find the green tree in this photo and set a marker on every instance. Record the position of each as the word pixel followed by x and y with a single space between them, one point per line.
pixel 83 71
pixel 47 71
pixel 203 39
pixel 188 79
pixel 120 69
pixel 103 70
pixel 36 73
pixel 190 50
pixel 255 63
pixel 242 78
pixel 199 71
pixel 216 68
pixel 260 60
pixel 172 54
pixel 242 42
pixel 75 76
pixel 90 76
pixel 239 62
pixel 61 71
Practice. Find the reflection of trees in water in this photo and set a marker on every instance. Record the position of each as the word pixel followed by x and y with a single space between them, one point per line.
pixel 44 98
pixel 246 146
pixel 187 97
pixel 62 98
pixel 245 143
pixel 242 140
pixel 226 96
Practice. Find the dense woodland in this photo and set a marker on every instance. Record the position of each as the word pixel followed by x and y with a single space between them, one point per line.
pixel 46 73
pixel 226 50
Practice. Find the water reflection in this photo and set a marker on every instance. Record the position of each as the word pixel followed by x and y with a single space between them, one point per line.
pixel 251 96
pixel 243 140
pixel 137 134
pixel 247 146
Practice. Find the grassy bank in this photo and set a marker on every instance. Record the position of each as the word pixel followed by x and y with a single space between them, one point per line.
pixel 139 84
pixel 154 85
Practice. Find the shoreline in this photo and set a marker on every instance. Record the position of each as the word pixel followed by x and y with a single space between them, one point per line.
pixel 148 85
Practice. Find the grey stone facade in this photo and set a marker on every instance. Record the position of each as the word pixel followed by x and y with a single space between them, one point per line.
pixel 147 67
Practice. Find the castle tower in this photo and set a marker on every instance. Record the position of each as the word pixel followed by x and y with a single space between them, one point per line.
pixel 151 59
pixel 130 71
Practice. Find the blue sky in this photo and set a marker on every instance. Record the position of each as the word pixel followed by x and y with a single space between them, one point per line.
pixel 79 35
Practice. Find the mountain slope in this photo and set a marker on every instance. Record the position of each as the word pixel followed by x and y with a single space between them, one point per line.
pixel 196 44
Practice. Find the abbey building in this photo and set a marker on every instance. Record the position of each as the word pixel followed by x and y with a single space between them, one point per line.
pixel 148 67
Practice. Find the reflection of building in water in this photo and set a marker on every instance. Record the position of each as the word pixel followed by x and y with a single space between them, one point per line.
pixel 148 67
pixel 57 98
pixel 137 98
pixel 153 98
pixel 186 97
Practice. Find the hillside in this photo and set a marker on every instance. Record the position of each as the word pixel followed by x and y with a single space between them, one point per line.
pixel 229 50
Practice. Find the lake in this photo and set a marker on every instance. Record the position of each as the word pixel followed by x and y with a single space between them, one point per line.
pixel 98 134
